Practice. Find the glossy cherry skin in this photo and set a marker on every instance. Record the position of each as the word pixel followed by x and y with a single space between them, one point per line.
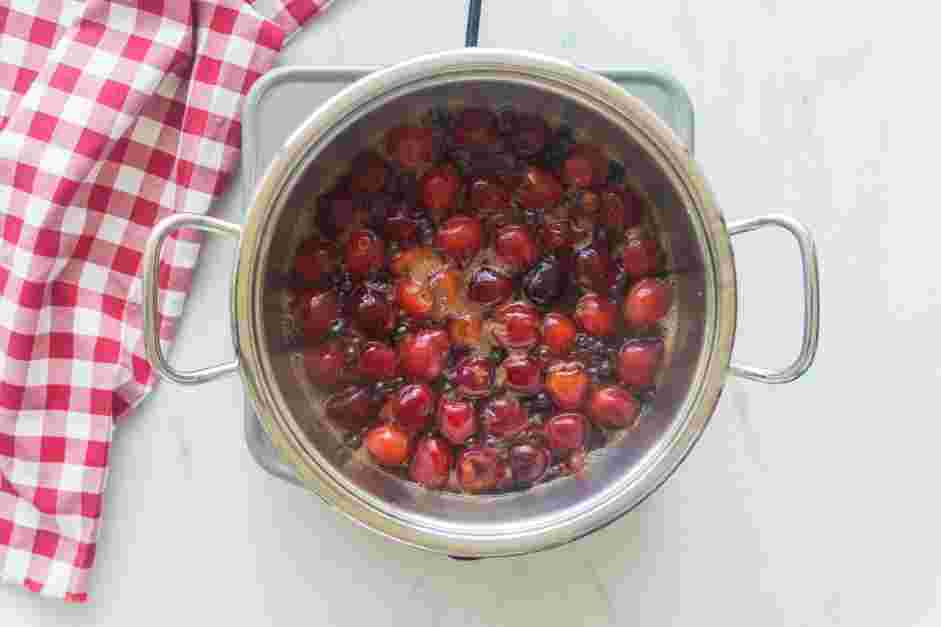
pixel 613 407
pixel 431 462
pixel 620 209
pixel 378 361
pixel 365 252
pixel 567 384
pixel 439 188
pixel 556 234
pixel 314 261
pixel 400 225
pixel 639 360
pixel 316 312
pixel 545 282
pixel 457 419
pixel 488 195
pixel 489 286
pixel 558 333
pixel 324 363
pixel 516 247
pixel 411 146
pixel 539 189
pixel 566 432
pixel 586 166
pixel 372 312
pixel 422 354
pixel 591 268
pixel 504 417
pixel 647 303
pixel 518 325
pixel 388 444
pixel 414 298
pixel 466 330
pixel 368 174
pixel 352 407
pixel 460 237
pixel 523 373
pixel 641 257
pixel 415 406
pixel 529 462
pixel 596 315
pixel 473 376
pixel 478 469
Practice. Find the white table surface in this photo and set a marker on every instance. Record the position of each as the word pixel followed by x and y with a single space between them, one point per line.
pixel 805 504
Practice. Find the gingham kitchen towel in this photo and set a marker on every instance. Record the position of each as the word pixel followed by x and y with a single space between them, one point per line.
pixel 113 115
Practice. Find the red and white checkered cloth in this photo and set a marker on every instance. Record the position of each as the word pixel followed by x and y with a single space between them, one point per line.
pixel 113 115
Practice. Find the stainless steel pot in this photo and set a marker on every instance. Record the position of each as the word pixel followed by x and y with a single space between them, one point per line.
pixel 700 346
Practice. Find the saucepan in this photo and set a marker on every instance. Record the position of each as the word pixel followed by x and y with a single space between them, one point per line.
pixel 618 477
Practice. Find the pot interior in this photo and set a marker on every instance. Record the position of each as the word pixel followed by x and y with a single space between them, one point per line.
pixel 611 470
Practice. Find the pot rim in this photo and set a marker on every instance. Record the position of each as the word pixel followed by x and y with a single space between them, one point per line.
pixel 500 64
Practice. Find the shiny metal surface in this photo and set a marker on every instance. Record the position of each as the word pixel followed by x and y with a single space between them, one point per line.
pixel 811 283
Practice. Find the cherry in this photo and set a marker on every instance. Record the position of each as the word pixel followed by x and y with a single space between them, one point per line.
pixel 411 146
pixel 596 314
pixel 414 261
pixel 518 325
pixel 316 312
pixel 400 225
pixel 620 209
pixel 314 261
pixel 378 361
pixel 335 214
pixel 591 268
pixel 445 285
pixel 473 376
pixel 457 419
pixel 415 403
pixel 613 407
pixel 639 360
pixel 368 173
pixel 556 234
pixel 351 408
pixel 487 196
pixel 575 462
pixel 422 354
pixel 465 330
pixel 324 363
pixel 460 237
pixel 365 252
pixel 475 128
pixel 567 384
pixel 539 189
pixel 558 333
pixel 414 298
pixel 588 202
pixel 585 166
pixel 431 462
pixel 566 432
pixel 516 248
pixel 544 283
pixel 647 303
pixel 529 136
pixel 504 417
pixel 479 469
pixel 641 257
pixel 372 312
pixel 489 286
pixel 388 444
pixel 529 462
pixel 523 373
pixel 439 188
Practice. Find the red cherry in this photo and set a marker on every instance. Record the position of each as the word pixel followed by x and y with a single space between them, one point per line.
pixel 620 209
pixel 351 408
pixel 567 384
pixel 414 298
pixel 523 373
pixel 591 268
pixel 460 237
pixel 316 312
pixel 418 260
pixel 365 252
pixel 314 261
pixel 489 286
pixel 641 258
pixel 530 135
pixel 465 330
pixel 388 444
pixel 575 462
pixel 647 303
pixel 457 419
pixel 400 225
pixel 439 188
pixel 539 189
pixel 557 234
pixel 516 247
pixel 324 363
pixel 378 361
pixel 518 325
pixel 368 174
pixel 415 405
pixel 588 202
pixel 585 166
pixel 613 407
pixel 566 432
pixel 371 310
pixel 596 314
pixel 529 462
pixel 558 333
pixel 473 376
pixel 487 195
pixel 639 360
pixel 478 469
pixel 475 128
pixel 431 462
pixel 411 146
pixel 504 417
pixel 422 354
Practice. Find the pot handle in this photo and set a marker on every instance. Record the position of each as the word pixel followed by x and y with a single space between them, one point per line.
pixel 808 253
pixel 151 267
